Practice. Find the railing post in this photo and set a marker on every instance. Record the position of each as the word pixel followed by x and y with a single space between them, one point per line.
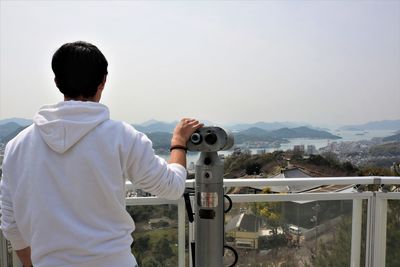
pixel 379 252
pixel 369 233
pixel 3 251
pixel 15 260
pixel 356 233
pixel 376 232
pixel 181 233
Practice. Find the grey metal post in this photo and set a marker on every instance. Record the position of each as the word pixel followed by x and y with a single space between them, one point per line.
pixel 209 193
pixel 181 233
pixel 191 236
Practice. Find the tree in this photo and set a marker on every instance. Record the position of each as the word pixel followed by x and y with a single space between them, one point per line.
pixel 162 250
pixel 332 158
pixel 141 245
pixel 336 253
pixel 150 261
pixel 171 212
pixel 347 166
pixel 270 210
pixel 253 169
pixel 318 160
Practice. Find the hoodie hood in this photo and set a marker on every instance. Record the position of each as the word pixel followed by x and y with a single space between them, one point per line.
pixel 62 125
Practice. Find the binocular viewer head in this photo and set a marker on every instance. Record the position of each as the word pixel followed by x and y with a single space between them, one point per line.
pixel 210 139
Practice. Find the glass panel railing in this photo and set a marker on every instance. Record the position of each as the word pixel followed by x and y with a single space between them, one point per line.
pixel 5 252
pixel 156 235
pixel 291 233
pixel 313 229
pixel 393 234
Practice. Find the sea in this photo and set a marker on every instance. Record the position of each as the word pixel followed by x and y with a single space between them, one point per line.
pixel 318 143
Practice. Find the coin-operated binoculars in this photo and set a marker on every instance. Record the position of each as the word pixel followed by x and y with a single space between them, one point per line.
pixel 209 196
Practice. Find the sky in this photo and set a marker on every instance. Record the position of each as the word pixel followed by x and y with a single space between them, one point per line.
pixel 319 62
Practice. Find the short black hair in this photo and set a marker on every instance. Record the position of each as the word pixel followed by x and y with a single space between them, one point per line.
pixel 79 69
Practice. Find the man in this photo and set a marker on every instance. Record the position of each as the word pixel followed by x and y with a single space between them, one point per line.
pixel 63 186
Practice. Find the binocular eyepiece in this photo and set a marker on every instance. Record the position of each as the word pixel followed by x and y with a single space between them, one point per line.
pixel 210 139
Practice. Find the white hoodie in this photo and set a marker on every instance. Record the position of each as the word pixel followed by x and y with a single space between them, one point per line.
pixel 63 186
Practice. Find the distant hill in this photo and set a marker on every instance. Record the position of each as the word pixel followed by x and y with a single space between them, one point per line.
pixel 255 131
pixel 375 125
pixel 149 122
pixel 392 138
pixel 254 134
pixel 20 121
pixel 268 126
pixel 9 130
pixel 389 149
pixel 160 140
pixel 303 132
pixel 155 126
pixel 258 134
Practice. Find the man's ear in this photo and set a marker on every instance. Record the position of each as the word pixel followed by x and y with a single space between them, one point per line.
pixel 101 86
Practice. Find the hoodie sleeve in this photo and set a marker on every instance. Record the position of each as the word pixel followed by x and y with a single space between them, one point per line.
pixel 8 224
pixel 152 173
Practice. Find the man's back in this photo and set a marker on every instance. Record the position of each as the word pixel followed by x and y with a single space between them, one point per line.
pixel 68 196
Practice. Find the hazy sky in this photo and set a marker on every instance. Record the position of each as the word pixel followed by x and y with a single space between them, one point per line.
pixel 334 62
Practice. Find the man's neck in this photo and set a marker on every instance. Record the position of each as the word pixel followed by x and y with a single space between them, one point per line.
pixel 95 98
pixel 80 98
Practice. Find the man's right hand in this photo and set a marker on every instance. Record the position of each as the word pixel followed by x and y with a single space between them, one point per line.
pixel 183 130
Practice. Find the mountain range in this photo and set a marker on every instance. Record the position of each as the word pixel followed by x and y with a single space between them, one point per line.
pixel 255 134
pixel 160 132
pixel 269 126
pixel 159 126
pixel 374 125
pixel 161 140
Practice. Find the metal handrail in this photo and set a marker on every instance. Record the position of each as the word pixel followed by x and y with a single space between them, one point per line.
pixel 317 181
pixel 265 181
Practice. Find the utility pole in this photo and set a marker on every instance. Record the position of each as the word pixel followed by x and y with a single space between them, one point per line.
pixel 316 208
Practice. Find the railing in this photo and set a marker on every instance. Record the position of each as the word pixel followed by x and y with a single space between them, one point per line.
pixel 376 219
